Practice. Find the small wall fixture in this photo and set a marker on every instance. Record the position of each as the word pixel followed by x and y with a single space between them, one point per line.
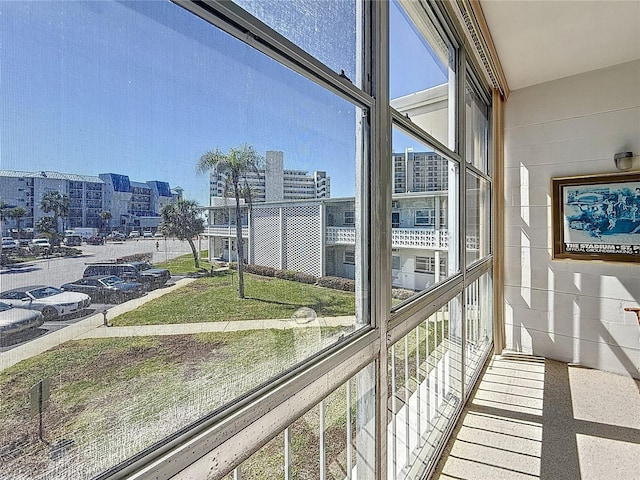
pixel 623 160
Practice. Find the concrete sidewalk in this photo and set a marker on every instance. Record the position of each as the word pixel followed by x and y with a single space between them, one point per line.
pixel 93 327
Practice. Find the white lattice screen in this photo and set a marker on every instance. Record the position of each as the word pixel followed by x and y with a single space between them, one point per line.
pixel 266 237
pixel 302 239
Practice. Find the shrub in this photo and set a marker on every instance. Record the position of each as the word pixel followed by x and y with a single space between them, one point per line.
pixel 260 270
pixel 337 283
pixel 304 278
pixel 286 274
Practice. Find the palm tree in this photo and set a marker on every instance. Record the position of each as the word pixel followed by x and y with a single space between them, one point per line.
pixel 234 165
pixel 4 213
pixel 17 214
pixel 105 215
pixel 56 203
pixel 182 220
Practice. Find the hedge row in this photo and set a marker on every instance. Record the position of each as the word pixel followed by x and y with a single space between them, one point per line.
pixel 336 283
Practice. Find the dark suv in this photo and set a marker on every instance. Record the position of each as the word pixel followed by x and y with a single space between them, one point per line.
pixel 141 272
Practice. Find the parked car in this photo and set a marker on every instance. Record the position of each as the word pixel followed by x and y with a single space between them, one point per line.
pixel 134 234
pixel 40 242
pixel 147 234
pixel 141 272
pixel 158 234
pixel 51 301
pixel 109 289
pixel 72 240
pixel 95 241
pixel 14 320
pixel 116 237
pixel 9 243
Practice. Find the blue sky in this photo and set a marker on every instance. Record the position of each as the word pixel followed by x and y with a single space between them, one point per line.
pixel 144 89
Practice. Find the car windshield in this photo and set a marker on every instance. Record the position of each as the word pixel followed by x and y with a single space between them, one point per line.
pixel 144 266
pixel 111 280
pixel 44 292
pixel 4 307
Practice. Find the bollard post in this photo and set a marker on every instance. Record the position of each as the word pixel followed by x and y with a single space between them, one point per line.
pixel 106 323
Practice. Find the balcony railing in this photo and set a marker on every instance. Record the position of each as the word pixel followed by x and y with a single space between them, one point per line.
pixel 341 236
pixel 419 237
pixel 225 231
pixel 402 237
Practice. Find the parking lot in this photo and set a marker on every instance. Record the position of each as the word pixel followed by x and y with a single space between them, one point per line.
pixel 56 271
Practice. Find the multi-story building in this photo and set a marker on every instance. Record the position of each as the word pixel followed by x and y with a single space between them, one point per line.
pixel 319 236
pixel 274 183
pixel 25 189
pixel 133 205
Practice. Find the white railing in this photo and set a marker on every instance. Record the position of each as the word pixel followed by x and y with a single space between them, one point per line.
pixel 401 237
pixel 419 238
pixel 341 235
pixel 224 231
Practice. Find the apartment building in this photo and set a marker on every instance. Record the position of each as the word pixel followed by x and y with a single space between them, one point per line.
pixel 318 237
pixel 275 183
pixel 25 189
pixel 133 205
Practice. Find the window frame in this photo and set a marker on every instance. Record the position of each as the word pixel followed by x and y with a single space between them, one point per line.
pixel 216 436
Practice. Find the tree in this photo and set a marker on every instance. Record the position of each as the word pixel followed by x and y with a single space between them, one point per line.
pixel 181 220
pixel 4 211
pixel 234 165
pixel 58 204
pixel 105 215
pixel 48 226
pixel 17 213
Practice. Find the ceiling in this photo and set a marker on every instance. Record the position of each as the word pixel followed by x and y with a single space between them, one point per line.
pixel 542 40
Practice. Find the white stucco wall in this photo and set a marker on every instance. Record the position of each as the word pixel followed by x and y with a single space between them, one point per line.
pixel 568 310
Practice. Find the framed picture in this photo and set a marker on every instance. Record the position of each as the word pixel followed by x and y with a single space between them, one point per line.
pixel 597 217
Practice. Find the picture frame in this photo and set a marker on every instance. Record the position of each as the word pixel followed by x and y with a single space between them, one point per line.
pixel 596 217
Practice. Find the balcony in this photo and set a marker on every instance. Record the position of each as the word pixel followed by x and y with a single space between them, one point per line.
pixel 401 237
pixel 537 418
pixel 225 231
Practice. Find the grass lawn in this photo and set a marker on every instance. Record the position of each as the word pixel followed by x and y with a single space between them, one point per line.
pixel 184 264
pixel 215 299
pixel 141 388
pixel 137 388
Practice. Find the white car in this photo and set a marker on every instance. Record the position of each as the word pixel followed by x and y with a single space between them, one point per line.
pixel 14 320
pixel 40 242
pixel 9 243
pixel 52 302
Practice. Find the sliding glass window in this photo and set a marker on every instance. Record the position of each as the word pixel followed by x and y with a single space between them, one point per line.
pixel 422 74
pixel 138 132
pixel 424 216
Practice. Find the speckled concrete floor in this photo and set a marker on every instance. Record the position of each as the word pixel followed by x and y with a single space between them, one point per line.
pixel 532 418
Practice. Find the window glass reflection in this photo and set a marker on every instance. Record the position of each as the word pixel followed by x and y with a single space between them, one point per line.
pixel 421 71
pixel 478 235
pixel 477 129
pixel 108 113
pixel 423 216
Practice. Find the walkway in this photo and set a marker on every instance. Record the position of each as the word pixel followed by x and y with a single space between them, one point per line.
pixel 93 327
pixel 532 418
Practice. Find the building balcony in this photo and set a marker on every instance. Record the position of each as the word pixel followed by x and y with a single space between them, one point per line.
pixel 402 238
pixel 224 231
